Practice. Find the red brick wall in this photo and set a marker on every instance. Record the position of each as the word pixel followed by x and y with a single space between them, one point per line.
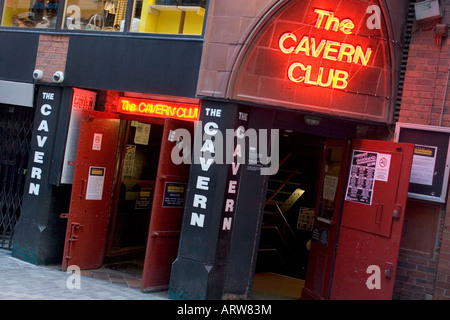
pixel 418 259
pixel 51 55
pixel 426 101
pixel 442 289
pixel 425 81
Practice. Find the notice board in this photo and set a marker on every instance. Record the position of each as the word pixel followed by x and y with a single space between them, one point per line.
pixel 430 169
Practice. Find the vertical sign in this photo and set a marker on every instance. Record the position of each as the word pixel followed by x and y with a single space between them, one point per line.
pixel 42 140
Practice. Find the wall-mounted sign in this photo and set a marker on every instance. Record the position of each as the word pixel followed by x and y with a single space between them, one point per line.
pixel 42 144
pixel 431 160
pixel 332 57
pixel 159 109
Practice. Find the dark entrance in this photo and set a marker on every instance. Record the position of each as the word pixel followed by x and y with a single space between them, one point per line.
pixel 288 216
pixel 135 185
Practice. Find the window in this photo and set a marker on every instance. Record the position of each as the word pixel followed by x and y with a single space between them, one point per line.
pixel 30 13
pixel 147 16
pixel 171 16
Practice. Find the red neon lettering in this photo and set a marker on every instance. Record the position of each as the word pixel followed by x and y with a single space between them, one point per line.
pixel 151 108
pixel 329 49
pixel 359 55
pixel 283 38
pixel 332 22
pixel 326 49
pixel 337 79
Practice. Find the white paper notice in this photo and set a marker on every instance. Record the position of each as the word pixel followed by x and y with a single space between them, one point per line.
pixel 424 161
pixel 95 184
pixel 329 187
pixel 382 167
pixel 142 133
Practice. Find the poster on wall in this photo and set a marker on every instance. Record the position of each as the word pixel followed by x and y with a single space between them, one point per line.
pixel 362 177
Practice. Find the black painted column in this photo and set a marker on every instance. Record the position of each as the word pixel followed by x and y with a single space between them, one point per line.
pixel 250 203
pixel 37 237
pixel 199 270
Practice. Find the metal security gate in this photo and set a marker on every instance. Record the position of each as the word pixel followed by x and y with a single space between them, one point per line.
pixel 15 133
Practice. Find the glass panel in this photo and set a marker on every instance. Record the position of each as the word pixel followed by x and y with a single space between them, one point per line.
pixel 103 15
pixel 150 16
pixel 30 13
pixel 168 16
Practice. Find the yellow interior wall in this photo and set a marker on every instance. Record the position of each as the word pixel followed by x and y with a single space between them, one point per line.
pixel 9 12
pixel 193 23
pixel 148 21
pixel 168 21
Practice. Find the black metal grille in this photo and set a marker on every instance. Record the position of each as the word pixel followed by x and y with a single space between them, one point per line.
pixel 404 61
pixel 15 134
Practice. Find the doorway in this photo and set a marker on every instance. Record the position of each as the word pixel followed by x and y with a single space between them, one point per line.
pixel 134 187
pixel 127 197
pixel 288 217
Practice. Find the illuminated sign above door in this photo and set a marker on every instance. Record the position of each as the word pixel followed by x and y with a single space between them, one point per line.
pixel 158 109
pixel 335 57
pixel 324 49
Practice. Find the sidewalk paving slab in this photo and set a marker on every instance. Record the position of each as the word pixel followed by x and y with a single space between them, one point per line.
pixel 20 280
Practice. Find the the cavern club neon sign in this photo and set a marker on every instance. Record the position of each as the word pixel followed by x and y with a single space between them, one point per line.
pixel 159 109
pixel 298 72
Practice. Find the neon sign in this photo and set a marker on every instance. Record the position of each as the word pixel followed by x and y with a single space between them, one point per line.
pixel 159 109
pixel 324 49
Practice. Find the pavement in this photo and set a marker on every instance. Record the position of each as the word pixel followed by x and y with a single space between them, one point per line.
pixel 20 280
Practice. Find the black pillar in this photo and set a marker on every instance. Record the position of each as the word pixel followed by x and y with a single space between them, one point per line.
pixel 38 237
pixel 198 272
pixel 224 207
pixel 244 243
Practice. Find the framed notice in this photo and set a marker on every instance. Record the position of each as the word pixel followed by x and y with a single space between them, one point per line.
pixel 430 168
